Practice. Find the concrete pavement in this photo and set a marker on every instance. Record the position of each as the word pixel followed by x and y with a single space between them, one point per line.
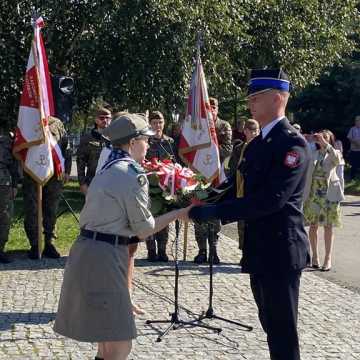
pixel 329 314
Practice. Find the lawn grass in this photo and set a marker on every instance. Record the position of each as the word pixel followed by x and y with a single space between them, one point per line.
pixel 67 227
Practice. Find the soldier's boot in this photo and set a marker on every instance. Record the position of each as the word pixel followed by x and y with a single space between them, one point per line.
pixel 215 257
pixel 162 251
pixel 151 249
pixel 201 257
pixel 50 250
pixel 5 258
pixel 33 253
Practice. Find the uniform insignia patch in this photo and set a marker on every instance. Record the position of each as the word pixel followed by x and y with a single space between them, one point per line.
pixel 141 179
pixel 292 159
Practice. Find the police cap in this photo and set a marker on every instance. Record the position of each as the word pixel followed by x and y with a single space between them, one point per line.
pixel 127 126
pixel 268 79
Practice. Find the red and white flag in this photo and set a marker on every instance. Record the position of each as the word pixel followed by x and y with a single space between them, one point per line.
pixel 198 146
pixel 34 144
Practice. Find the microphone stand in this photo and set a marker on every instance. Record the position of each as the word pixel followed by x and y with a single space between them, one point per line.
pixel 175 322
pixel 210 314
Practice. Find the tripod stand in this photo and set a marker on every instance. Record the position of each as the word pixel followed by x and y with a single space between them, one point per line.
pixel 210 314
pixel 68 208
pixel 175 322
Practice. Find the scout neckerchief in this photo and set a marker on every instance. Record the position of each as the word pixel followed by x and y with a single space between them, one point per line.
pixel 239 176
pixel 115 156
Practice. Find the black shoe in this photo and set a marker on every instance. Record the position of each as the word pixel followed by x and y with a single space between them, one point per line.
pixel 162 256
pixel 152 257
pixel 5 258
pixel 50 252
pixel 215 259
pixel 200 258
pixel 33 253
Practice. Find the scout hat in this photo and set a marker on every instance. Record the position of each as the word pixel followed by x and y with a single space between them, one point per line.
pixel 127 126
pixel 268 79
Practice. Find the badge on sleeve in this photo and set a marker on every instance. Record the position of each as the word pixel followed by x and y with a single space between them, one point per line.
pixel 292 159
pixel 141 179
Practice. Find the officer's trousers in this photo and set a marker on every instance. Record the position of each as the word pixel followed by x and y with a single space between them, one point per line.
pixel 277 297
pixel 202 234
pixel 50 204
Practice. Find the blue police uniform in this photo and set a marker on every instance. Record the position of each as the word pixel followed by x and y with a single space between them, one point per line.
pixel 276 246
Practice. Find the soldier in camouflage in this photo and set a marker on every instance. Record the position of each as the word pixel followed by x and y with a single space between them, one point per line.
pixel 161 146
pixel 224 137
pixel 50 198
pixel 9 177
pixel 89 150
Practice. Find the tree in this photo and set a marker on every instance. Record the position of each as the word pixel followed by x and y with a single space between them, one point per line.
pixel 333 102
pixel 138 54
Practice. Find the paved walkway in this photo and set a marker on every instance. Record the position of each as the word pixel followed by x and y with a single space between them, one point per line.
pixel 329 322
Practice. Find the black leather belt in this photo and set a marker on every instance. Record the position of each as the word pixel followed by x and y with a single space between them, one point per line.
pixel 108 238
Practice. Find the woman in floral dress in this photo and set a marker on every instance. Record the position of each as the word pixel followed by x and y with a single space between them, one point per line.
pixel 323 194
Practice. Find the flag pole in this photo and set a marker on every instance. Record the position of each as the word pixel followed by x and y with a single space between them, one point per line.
pixel 42 116
pixel 199 42
pixel 39 218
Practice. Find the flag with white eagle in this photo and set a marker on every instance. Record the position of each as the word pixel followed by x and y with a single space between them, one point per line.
pixel 34 144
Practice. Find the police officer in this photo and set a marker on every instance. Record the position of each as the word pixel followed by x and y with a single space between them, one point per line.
pixel 161 147
pixel 276 247
pixel 9 177
pixel 95 304
pixel 224 138
pixel 89 150
pixel 50 200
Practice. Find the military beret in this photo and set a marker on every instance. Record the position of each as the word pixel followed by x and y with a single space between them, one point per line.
pixel 268 79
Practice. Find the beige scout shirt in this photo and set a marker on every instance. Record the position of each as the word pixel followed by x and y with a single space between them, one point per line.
pixel 117 202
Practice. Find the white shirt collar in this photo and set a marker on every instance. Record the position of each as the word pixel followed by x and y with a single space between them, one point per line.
pixel 266 129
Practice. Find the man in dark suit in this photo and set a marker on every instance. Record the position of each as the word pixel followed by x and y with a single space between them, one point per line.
pixel 276 246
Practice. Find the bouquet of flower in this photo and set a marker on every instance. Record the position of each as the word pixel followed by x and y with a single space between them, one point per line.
pixel 171 185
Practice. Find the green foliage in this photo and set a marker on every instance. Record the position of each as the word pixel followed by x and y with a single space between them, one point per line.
pixel 333 102
pixel 138 54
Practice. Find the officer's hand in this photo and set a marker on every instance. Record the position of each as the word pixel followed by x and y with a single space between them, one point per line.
pixel 203 213
pixel 84 188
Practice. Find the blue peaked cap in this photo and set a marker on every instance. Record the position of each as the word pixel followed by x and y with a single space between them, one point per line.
pixel 268 79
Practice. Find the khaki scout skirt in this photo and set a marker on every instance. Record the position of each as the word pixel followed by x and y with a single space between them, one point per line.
pixel 94 303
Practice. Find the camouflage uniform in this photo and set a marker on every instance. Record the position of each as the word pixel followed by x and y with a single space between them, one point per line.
pixel 50 196
pixel 162 148
pixel 9 177
pixel 224 137
pixel 87 158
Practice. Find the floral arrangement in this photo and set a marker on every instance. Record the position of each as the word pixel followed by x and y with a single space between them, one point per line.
pixel 172 186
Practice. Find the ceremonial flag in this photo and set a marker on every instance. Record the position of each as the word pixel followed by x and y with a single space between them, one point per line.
pixel 198 146
pixel 34 144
